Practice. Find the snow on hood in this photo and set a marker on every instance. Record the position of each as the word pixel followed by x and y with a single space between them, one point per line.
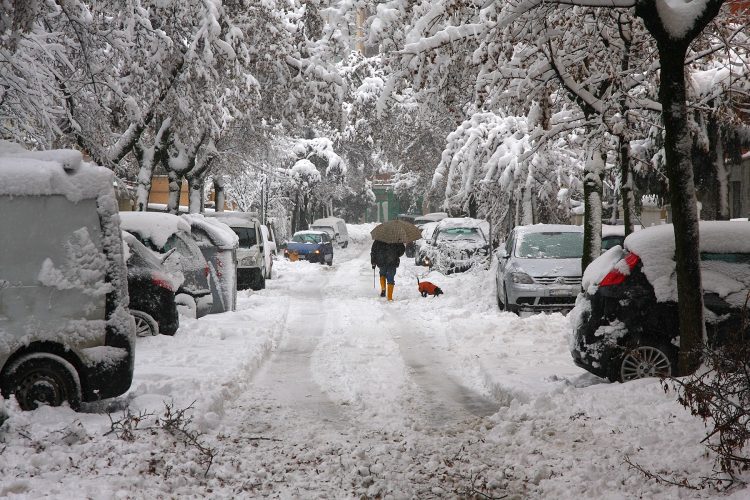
pixel 600 267
pixel 55 172
pixel 153 226
pixel 655 247
pixel 548 267
pixel 220 233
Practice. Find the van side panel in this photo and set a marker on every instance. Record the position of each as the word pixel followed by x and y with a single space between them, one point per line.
pixel 52 273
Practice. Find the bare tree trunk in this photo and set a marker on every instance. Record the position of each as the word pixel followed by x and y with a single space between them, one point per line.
pixel 195 190
pixel 677 148
pixel 219 194
pixel 677 144
pixel 175 186
pixel 146 158
pixel 593 182
pixel 719 169
pixel 626 185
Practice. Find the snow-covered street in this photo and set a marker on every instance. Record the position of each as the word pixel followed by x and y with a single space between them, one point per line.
pixel 318 388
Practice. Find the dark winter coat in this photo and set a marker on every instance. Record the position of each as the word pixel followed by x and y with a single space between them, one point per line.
pixel 386 254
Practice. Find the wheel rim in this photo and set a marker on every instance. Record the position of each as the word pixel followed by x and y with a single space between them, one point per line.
pixel 645 361
pixel 142 327
pixel 41 386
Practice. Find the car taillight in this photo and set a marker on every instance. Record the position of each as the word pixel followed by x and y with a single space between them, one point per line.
pixel 207 271
pixel 616 276
pixel 162 281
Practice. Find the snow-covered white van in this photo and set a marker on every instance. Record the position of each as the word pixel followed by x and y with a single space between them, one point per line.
pixel 336 229
pixel 251 262
pixel 66 333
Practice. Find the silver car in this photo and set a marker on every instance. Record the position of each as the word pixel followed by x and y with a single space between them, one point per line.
pixel 539 268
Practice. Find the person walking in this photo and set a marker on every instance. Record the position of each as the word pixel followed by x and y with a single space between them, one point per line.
pixel 386 256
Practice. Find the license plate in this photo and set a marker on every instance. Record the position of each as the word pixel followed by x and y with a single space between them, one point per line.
pixel 560 291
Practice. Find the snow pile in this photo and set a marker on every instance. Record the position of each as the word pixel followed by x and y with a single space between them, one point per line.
pixel 220 233
pixel 678 16
pixel 600 267
pixel 55 172
pixel 655 247
pixel 360 233
pixel 153 226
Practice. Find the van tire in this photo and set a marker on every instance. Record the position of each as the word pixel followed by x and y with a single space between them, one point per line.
pixel 145 325
pixel 43 377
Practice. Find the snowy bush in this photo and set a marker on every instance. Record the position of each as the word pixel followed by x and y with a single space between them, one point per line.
pixel 720 395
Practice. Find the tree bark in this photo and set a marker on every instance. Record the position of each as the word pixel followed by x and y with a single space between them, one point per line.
pixel 626 185
pixel 677 150
pixel 219 194
pixel 175 186
pixel 195 190
pixel 593 182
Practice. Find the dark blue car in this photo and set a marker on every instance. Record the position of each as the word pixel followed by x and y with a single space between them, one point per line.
pixel 314 246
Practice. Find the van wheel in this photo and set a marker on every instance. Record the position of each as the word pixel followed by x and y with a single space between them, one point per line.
pixel 43 378
pixel 145 325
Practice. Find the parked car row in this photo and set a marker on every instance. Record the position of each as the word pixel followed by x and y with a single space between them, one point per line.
pixel 88 280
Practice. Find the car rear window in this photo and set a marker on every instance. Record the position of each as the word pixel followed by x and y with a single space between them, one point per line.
pixel 550 245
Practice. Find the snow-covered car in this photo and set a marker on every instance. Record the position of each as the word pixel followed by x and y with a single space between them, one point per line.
pixel 170 234
pixel 251 253
pixel 626 323
pixel 336 229
pixel 539 268
pixel 218 243
pixel 313 246
pixel 66 333
pixel 457 245
pixel 427 230
pixel 612 236
pixel 152 290
pixel 421 221
pixel 431 217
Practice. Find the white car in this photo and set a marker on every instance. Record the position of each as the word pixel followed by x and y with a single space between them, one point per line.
pixel 336 229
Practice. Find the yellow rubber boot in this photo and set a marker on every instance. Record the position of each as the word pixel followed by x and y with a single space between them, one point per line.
pixel 382 286
pixel 390 292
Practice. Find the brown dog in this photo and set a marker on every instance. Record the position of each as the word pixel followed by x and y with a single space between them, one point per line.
pixel 426 288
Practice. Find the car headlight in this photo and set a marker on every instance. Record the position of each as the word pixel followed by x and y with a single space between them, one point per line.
pixel 247 261
pixel 522 278
pixel 426 261
pixel 316 251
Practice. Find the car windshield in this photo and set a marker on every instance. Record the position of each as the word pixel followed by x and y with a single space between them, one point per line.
pixel 611 241
pixel 246 235
pixel 460 233
pixel 550 245
pixel 307 238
